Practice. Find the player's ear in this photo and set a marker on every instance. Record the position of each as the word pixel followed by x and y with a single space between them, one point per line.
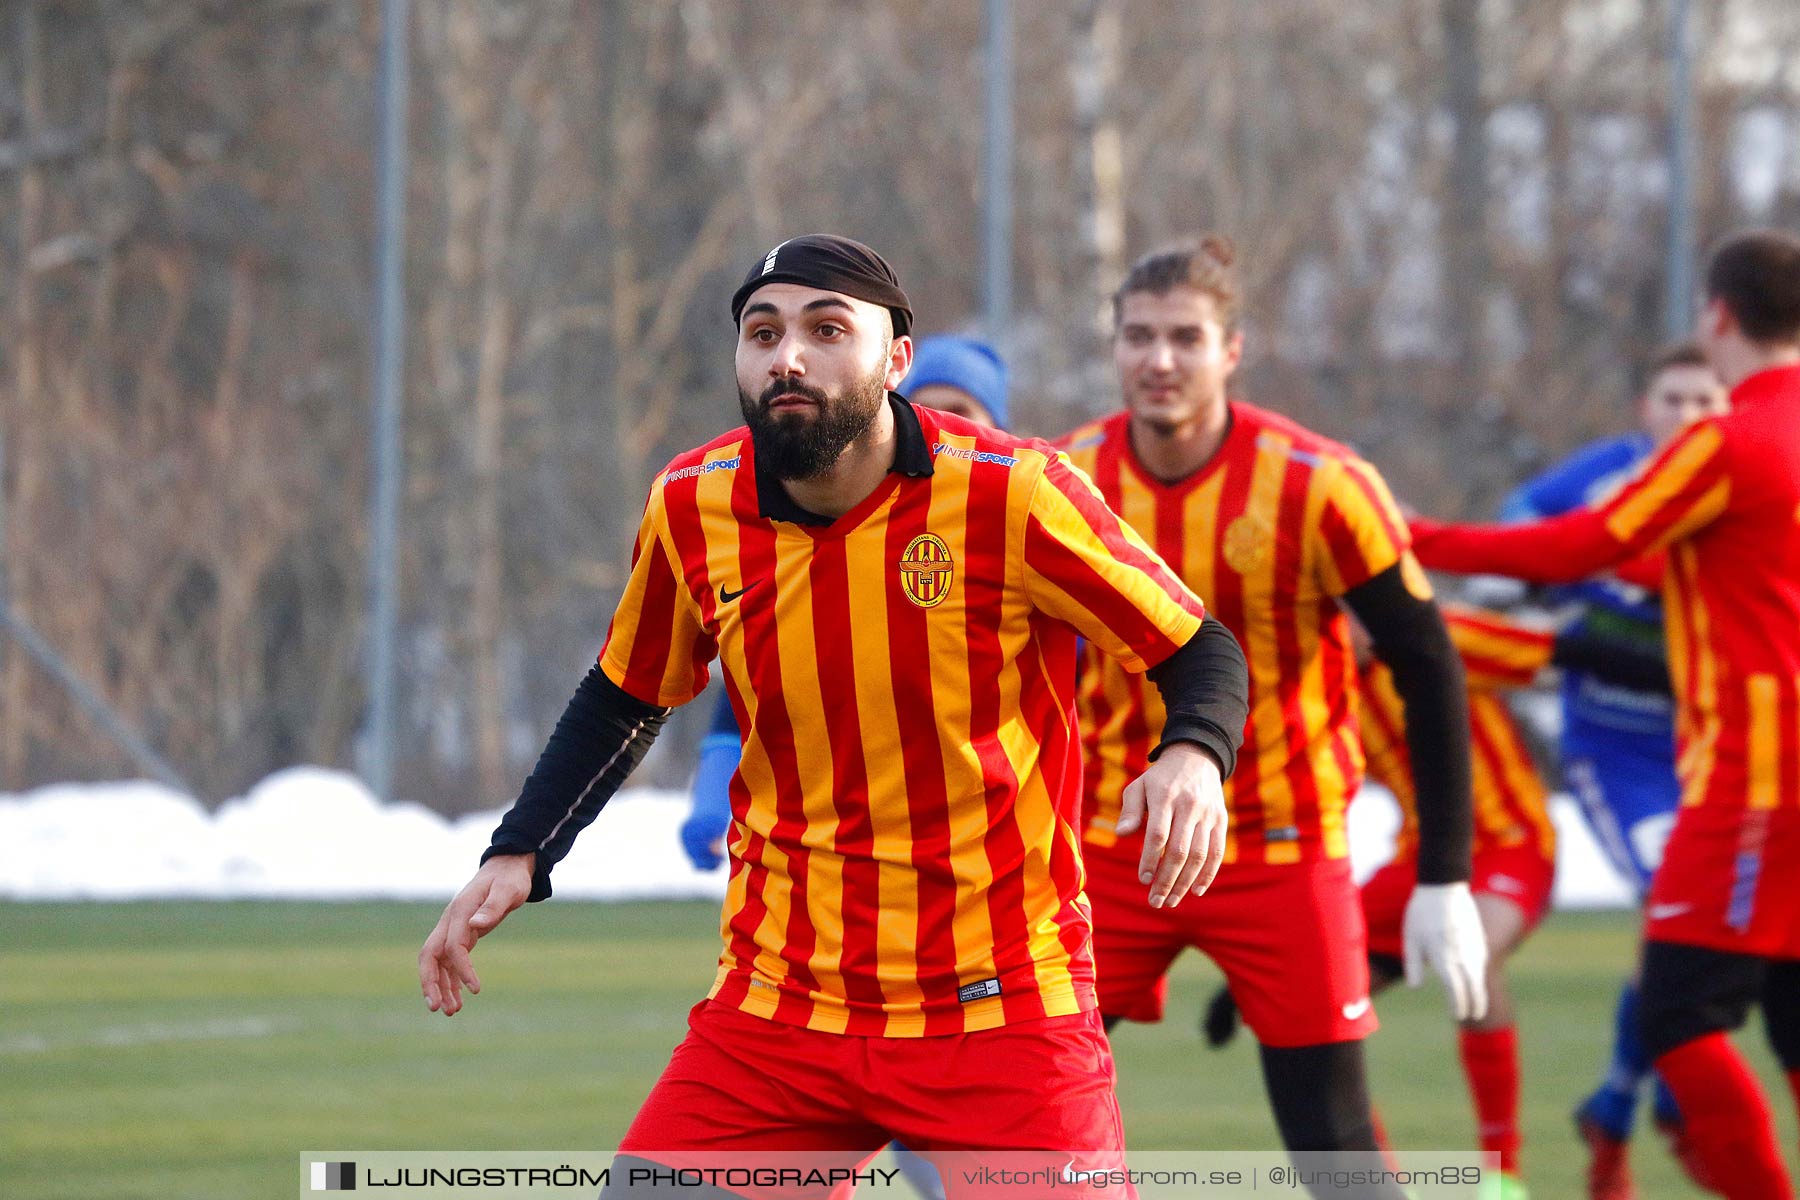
pixel 1716 319
pixel 1234 348
pixel 899 360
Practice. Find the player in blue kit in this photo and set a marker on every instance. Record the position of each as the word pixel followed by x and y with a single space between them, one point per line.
pixel 1618 744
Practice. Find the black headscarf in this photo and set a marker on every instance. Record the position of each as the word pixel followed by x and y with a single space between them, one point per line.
pixel 833 264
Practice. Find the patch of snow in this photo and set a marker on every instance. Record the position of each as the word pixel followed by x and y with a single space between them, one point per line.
pixel 314 834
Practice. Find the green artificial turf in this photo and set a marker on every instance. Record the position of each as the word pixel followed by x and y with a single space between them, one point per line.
pixel 194 1049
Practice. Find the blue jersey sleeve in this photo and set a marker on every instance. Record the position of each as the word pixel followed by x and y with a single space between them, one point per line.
pixel 1571 483
pixel 724 720
pixel 1583 479
pixel 710 817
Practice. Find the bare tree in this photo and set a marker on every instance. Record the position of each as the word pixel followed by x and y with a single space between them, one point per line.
pixel 1449 218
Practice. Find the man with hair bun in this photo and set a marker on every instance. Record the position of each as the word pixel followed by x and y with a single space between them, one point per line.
pixel 1279 526
pixel 1722 923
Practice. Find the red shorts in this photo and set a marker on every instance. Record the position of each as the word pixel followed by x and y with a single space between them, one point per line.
pixel 1729 880
pixel 1288 938
pixel 1517 874
pixel 741 1083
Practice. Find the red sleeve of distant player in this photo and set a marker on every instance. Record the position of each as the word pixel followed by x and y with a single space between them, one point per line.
pixel 1085 566
pixel 656 649
pixel 1684 489
pixel 1497 653
pixel 1645 571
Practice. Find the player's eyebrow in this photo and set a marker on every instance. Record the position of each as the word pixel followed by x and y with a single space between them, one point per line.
pixel 822 302
pixel 1192 327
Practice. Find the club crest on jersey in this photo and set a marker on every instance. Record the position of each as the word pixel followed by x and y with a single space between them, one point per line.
pixel 1249 544
pixel 926 570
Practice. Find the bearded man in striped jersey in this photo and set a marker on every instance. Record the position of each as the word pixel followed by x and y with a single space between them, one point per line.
pixel 894 595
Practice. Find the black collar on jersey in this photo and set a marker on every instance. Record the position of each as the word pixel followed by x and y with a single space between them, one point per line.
pixel 911 457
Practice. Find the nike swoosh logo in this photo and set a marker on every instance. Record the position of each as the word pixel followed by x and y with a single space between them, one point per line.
pixel 726 595
pixel 1662 912
pixel 1353 1011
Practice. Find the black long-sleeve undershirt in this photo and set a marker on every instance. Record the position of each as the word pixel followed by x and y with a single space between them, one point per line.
pixel 1410 637
pixel 1623 662
pixel 601 736
pixel 1205 687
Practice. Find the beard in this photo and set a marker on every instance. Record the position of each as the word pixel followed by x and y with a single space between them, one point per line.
pixel 1163 425
pixel 1169 417
pixel 806 446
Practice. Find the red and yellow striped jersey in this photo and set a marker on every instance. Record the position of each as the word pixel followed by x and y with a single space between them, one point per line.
pixel 904 855
pixel 1272 530
pixel 1510 796
pixel 1724 499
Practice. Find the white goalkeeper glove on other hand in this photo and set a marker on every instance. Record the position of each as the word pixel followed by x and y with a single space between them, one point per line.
pixel 1443 928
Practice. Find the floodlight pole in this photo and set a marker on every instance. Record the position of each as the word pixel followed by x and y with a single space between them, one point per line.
pixel 997 177
pixel 389 376
pixel 1678 301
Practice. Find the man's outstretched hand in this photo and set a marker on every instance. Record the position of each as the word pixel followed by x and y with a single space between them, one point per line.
pixel 501 885
pixel 1179 803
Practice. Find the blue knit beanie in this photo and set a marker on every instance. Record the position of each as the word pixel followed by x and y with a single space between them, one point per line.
pixel 963 363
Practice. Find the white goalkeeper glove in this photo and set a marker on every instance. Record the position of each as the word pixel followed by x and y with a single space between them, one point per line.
pixel 1443 928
